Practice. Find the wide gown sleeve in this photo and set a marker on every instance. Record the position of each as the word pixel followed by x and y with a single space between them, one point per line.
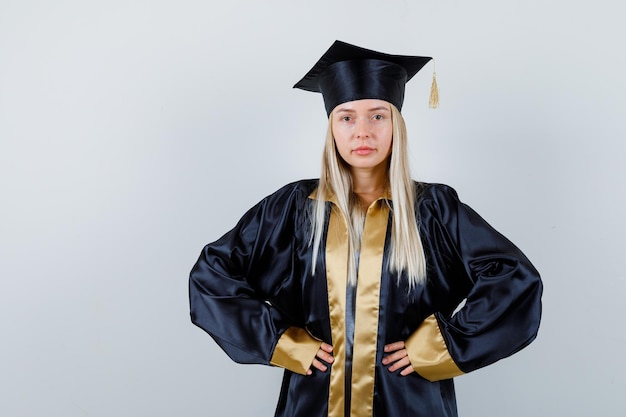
pixel 502 292
pixel 243 289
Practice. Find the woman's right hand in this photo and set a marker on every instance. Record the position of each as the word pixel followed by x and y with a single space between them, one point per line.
pixel 325 354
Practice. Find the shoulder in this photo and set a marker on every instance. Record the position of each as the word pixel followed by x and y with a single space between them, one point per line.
pixel 438 201
pixel 280 209
pixel 435 192
pixel 297 190
pixel 291 197
pixel 301 186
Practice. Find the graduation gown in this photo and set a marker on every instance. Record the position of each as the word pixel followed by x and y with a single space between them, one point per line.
pixel 254 292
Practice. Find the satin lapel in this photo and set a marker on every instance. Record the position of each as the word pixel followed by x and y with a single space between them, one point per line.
pixel 367 306
pixel 336 275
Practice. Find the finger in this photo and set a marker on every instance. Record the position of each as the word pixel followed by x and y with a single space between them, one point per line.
pixel 326 347
pixel 394 346
pixel 402 363
pixel 327 357
pixel 408 370
pixel 319 365
pixel 395 356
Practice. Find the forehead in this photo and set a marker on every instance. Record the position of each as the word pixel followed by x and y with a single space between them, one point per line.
pixel 363 105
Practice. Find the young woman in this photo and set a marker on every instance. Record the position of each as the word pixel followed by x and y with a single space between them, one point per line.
pixel 370 290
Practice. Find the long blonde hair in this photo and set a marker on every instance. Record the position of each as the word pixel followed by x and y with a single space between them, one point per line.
pixel 407 252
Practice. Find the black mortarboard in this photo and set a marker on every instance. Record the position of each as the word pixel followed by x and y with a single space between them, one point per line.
pixel 347 72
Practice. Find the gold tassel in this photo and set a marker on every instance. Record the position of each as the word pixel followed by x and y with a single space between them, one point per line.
pixel 433 103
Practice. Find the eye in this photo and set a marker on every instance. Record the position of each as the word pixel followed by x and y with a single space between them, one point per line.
pixel 378 117
pixel 346 118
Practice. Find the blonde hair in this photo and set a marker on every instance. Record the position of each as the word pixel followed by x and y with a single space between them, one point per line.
pixel 406 249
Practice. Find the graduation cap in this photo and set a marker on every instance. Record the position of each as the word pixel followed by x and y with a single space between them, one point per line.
pixel 348 72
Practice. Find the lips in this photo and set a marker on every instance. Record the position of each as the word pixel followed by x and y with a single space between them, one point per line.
pixel 363 150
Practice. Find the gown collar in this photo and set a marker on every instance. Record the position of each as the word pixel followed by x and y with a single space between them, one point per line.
pixel 333 197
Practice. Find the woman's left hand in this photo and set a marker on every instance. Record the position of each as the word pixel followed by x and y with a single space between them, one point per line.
pixel 398 358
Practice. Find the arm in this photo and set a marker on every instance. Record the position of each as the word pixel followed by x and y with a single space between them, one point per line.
pixel 236 279
pixel 503 300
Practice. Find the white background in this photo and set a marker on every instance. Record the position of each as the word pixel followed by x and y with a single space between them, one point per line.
pixel 134 132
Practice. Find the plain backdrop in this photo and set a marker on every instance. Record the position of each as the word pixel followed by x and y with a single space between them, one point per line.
pixel 134 132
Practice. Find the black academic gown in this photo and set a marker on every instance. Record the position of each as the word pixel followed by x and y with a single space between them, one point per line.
pixel 253 292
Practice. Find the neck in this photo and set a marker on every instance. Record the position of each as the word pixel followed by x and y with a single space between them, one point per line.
pixel 370 184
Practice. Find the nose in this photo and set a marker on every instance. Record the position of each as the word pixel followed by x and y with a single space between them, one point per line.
pixel 362 128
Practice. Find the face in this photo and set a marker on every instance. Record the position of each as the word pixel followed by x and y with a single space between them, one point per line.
pixel 363 133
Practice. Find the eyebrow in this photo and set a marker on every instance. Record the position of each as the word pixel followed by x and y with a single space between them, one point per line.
pixel 379 108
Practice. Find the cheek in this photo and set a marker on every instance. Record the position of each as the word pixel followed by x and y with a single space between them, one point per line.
pixel 341 148
pixel 389 140
pixel 340 142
